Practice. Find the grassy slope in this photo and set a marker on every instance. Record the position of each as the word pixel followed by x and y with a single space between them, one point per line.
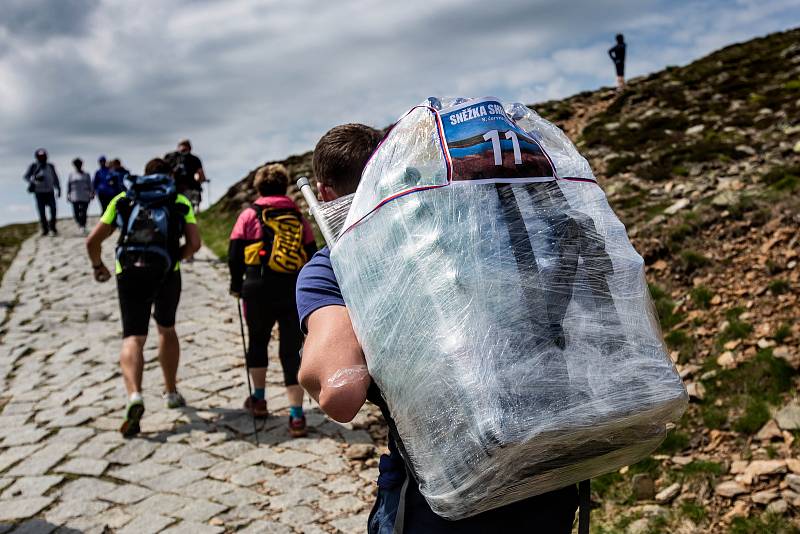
pixel 11 237
pixel 717 285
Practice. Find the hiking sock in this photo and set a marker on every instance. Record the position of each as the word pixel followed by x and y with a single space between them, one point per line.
pixel 135 396
pixel 259 393
pixel 295 412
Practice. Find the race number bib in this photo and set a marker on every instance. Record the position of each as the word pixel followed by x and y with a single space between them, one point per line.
pixel 485 145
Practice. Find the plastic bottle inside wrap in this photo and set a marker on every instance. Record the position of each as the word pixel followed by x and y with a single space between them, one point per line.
pixel 502 310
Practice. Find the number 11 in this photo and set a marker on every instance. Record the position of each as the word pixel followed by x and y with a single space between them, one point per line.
pixel 494 136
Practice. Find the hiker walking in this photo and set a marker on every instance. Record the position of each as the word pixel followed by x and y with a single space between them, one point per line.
pixel 152 219
pixel 617 55
pixel 105 185
pixel 79 193
pixel 188 171
pixel 331 346
pixel 269 244
pixel 43 183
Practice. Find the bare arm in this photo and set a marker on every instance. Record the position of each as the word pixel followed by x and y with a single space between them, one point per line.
pixel 331 347
pixel 94 243
pixel 192 244
pixel 200 175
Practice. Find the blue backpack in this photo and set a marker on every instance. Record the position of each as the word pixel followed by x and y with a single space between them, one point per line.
pixel 151 224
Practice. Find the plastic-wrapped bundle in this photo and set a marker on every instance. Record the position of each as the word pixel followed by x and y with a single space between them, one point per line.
pixel 501 308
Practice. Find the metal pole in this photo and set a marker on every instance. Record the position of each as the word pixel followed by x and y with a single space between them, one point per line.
pixel 314 206
pixel 246 367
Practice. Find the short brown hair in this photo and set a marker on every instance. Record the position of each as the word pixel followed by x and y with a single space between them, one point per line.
pixel 341 155
pixel 271 179
pixel 157 166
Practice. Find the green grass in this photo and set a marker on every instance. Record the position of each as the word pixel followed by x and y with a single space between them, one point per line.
pixel 675 442
pixel 694 511
pixel 215 229
pixel 11 237
pixel 782 332
pixel 736 328
pixel 756 414
pixel 779 287
pixel 693 260
pixel 774 524
pixel 747 391
pixel 665 307
pixel 681 341
pixel 701 297
pixel 783 178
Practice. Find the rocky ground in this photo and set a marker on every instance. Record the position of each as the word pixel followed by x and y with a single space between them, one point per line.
pixel 702 163
pixel 64 466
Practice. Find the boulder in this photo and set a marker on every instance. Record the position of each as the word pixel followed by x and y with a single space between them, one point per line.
pixel 730 489
pixel 644 488
pixel 788 418
pixel 667 494
pixel 764 497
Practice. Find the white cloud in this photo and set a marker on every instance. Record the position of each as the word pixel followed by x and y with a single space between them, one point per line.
pixel 250 81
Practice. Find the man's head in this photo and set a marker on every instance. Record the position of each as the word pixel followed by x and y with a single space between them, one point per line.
pixel 157 166
pixel 114 164
pixel 271 180
pixel 184 146
pixel 41 155
pixel 101 161
pixel 340 156
pixel 620 38
pixel 78 163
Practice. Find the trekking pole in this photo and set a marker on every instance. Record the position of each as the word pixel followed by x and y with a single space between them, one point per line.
pixel 246 367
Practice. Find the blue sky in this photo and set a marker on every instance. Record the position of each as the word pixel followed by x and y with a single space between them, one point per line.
pixel 250 81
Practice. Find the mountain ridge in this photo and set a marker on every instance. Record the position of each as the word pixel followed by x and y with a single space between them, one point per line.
pixel 702 164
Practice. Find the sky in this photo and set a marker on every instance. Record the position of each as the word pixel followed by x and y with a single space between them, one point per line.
pixel 250 81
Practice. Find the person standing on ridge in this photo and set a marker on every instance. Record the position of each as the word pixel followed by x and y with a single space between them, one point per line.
pixel 331 345
pixel 104 186
pixel 79 193
pixel 188 171
pixel 269 244
pixel 617 55
pixel 43 183
pixel 152 219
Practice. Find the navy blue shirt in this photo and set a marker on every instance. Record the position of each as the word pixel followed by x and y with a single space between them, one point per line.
pixel 552 512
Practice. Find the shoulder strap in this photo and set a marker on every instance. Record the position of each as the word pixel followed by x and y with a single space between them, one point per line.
pixel 584 506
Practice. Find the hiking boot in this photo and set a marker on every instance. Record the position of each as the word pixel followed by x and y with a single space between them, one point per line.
pixel 133 414
pixel 256 407
pixel 297 426
pixel 173 400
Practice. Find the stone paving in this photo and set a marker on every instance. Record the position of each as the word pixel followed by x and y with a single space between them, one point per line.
pixel 64 466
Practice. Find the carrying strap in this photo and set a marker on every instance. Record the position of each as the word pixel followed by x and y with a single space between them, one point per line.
pixel 400 516
pixel 584 503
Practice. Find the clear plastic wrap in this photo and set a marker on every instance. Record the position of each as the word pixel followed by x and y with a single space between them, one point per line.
pixel 504 315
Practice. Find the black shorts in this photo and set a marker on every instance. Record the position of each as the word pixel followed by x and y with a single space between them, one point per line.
pixel 620 68
pixel 139 292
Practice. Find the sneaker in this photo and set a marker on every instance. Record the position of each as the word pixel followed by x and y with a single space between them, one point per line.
pixel 133 414
pixel 173 400
pixel 297 426
pixel 256 407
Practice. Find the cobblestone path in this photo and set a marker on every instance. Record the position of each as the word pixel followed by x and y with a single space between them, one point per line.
pixel 63 465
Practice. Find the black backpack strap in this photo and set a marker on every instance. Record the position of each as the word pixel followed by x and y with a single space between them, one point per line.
pixel 124 208
pixel 584 506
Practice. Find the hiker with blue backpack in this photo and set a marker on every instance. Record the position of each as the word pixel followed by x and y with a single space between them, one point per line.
pixel 153 219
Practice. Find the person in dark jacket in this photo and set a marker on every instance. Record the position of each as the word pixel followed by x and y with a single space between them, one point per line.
pixel 617 55
pixel 43 182
pixel 105 187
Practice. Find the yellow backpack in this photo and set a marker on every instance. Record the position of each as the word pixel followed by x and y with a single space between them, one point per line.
pixel 281 247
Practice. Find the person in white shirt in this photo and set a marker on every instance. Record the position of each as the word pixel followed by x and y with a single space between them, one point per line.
pixel 79 192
